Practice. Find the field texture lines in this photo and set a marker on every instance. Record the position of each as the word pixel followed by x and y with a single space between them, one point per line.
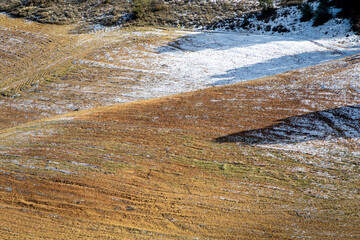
pixel 189 166
pixel 104 136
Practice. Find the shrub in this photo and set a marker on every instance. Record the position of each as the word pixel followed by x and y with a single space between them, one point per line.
pixel 291 2
pixel 307 12
pixel 280 29
pixel 9 5
pixel 322 14
pixel 142 8
pixel 350 9
pixel 266 4
pixel 356 24
pixel 267 14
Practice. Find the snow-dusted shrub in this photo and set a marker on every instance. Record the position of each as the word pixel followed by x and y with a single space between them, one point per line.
pixel 142 8
pixel 268 11
pixel 291 2
pixel 322 14
pixel 307 12
pixel 266 4
pixel 350 9
pixel 356 24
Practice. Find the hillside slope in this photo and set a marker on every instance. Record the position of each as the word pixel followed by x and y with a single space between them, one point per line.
pixel 49 70
pixel 118 12
pixel 224 163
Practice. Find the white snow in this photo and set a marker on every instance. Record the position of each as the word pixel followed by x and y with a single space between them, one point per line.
pixel 200 59
pixel 224 58
pixel 60 170
pixel 84 164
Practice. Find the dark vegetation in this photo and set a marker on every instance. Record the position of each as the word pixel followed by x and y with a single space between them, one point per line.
pixel 189 14
pixel 350 10
pixel 266 4
pixel 322 14
pixel 111 12
pixel 63 12
pixel 307 12
pixel 146 8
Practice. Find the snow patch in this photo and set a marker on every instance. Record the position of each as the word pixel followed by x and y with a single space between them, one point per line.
pixel 207 58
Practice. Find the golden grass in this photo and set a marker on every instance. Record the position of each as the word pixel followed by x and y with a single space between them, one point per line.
pixel 152 170
pixel 41 76
pixel 155 171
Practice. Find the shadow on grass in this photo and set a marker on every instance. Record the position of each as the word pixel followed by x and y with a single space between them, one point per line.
pixel 343 122
pixel 220 41
pixel 278 65
pixel 237 57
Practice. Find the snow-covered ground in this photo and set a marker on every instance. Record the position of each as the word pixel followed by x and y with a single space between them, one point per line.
pixel 222 57
pixel 196 60
pixel 208 58
pixel 217 58
pixel 199 59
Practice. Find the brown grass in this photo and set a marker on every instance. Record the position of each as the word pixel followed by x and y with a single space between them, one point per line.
pixel 41 76
pixel 160 174
pixel 151 169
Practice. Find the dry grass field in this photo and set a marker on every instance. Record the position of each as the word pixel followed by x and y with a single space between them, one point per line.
pixel 48 70
pixel 273 158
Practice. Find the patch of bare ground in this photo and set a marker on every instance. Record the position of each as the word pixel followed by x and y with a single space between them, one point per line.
pixel 217 163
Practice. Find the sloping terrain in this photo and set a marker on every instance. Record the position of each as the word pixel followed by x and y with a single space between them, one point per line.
pixel 276 157
pixel 139 12
pixel 215 163
pixel 49 70
pixel 44 72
